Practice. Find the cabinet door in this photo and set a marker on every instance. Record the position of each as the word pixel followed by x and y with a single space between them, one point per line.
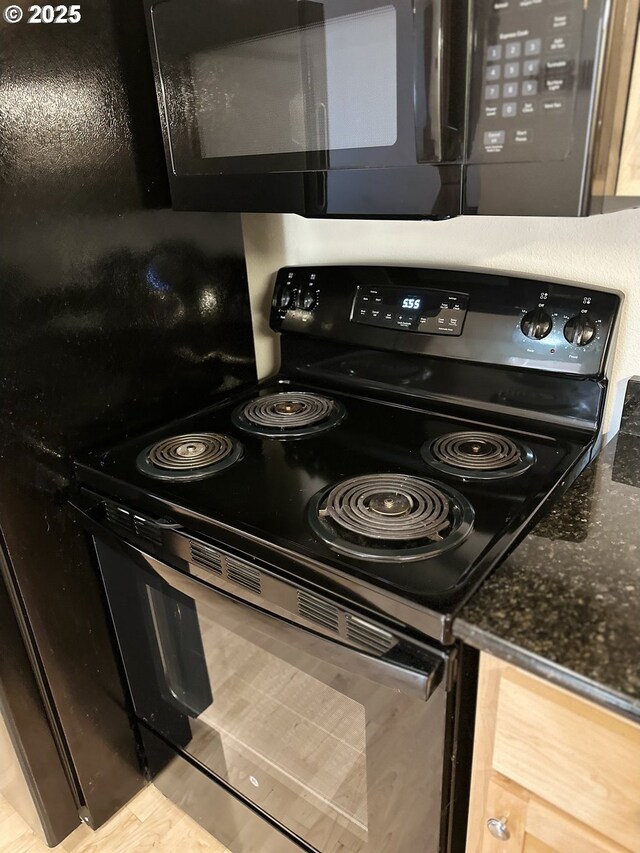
pixel 530 825
pixel 629 173
pixel 564 772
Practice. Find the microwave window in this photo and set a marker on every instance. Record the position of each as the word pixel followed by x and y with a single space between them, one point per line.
pixel 325 86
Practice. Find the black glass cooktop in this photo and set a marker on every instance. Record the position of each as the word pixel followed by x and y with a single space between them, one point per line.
pixel 277 494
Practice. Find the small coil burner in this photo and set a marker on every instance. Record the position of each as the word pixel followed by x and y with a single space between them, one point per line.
pixel 189 457
pixel 290 414
pixel 390 517
pixel 477 455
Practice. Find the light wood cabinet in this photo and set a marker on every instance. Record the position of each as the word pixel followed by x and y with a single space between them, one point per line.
pixel 616 162
pixel 629 171
pixel 555 773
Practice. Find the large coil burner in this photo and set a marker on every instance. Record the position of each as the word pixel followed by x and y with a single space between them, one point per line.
pixel 189 457
pixel 290 414
pixel 390 517
pixel 477 455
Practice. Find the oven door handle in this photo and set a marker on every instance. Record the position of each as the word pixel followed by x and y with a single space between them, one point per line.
pixel 409 668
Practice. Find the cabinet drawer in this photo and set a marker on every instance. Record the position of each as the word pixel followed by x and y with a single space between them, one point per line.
pixel 579 758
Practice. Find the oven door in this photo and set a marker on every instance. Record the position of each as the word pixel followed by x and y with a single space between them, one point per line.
pixel 342 751
pixel 307 88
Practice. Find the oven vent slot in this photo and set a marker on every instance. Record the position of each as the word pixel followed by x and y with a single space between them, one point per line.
pixel 368 635
pixel 244 575
pixel 146 529
pixel 129 522
pixel 119 517
pixel 318 610
pixel 202 555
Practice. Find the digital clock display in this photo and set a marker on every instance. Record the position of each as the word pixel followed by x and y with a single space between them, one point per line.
pixel 411 303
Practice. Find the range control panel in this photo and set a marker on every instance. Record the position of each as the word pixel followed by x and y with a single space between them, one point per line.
pixel 490 319
pixel 525 79
pixel 433 312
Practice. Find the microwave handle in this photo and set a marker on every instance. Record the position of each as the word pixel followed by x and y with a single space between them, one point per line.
pixel 389 671
pixel 440 57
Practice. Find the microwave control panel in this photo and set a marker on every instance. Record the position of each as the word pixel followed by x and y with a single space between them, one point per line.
pixel 525 78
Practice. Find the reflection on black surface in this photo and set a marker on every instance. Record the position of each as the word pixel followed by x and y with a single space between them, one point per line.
pixel 137 331
pixel 478 385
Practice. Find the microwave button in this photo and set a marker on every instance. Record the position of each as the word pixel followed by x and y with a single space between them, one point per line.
pixel 532 47
pixel 556 65
pixel 554 106
pixel 513 49
pixel 530 87
pixel 509 109
pixel 512 69
pixel 556 84
pixel 559 22
pixel 491 110
pixel 492 92
pixel 494 140
pixel 557 44
pixel 493 72
pixel 522 136
pixel 510 90
pixel 494 52
pixel 531 67
pixel 528 108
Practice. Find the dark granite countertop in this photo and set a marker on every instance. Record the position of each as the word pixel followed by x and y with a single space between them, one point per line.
pixel 566 603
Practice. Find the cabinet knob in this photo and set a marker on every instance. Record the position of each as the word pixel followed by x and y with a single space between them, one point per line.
pixel 498 828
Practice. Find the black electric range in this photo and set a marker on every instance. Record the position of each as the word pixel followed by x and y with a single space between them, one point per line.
pixel 468 451
pixel 283 566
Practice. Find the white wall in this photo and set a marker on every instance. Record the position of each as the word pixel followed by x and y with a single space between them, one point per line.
pixel 602 251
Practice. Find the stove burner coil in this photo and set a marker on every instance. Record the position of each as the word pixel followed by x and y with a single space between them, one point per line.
pixel 390 517
pixel 189 457
pixel 477 455
pixel 288 414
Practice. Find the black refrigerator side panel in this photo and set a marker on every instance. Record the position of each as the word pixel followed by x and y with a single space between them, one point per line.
pixel 116 313
pixel 27 722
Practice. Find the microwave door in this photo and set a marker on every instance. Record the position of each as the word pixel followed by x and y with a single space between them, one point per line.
pixel 256 88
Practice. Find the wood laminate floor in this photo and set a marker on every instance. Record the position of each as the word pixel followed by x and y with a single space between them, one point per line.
pixel 148 823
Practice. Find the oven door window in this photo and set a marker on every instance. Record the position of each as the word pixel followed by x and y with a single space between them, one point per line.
pixel 344 761
pixel 250 86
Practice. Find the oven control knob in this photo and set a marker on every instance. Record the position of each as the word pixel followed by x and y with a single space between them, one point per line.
pixel 580 330
pixel 536 324
pixel 285 297
pixel 309 299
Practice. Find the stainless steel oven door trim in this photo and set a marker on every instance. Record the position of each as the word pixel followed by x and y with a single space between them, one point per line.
pixel 390 670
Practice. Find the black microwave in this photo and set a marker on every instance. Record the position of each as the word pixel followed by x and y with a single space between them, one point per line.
pixel 393 108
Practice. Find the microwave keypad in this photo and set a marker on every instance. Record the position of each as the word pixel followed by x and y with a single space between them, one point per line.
pixel 525 71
